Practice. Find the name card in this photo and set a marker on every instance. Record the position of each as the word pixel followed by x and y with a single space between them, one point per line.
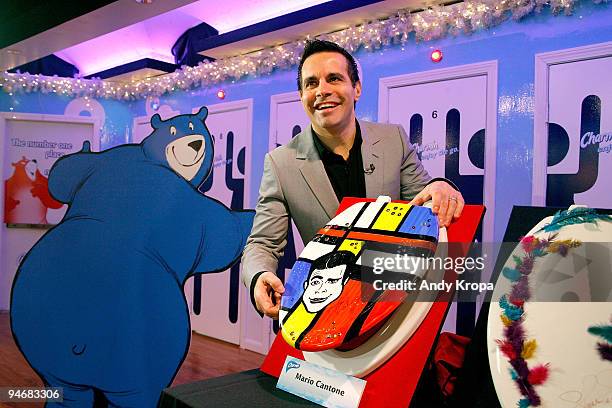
pixel 323 386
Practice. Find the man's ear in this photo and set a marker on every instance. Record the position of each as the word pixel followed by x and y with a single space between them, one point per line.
pixel 305 284
pixel 357 90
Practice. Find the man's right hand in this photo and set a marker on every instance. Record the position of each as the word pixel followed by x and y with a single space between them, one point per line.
pixel 267 294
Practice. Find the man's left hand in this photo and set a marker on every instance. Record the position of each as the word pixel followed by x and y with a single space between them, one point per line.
pixel 447 202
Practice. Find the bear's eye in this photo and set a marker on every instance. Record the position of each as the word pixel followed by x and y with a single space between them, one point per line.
pixel 172 130
pixel 190 126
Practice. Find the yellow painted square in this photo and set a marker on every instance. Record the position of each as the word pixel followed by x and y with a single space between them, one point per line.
pixel 351 245
pixel 391 216
pixel 296 323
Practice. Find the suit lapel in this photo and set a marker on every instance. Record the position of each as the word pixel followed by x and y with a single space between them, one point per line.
pixel 314 174
pixel 371 153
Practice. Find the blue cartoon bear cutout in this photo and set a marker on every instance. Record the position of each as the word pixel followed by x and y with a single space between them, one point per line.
pixel 97 305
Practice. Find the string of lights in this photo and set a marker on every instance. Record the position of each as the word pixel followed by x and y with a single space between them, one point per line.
pixel 400 28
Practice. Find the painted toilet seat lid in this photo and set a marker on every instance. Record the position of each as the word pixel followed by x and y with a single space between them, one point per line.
pixel 553 336
pixel 328 303
pixel 387 341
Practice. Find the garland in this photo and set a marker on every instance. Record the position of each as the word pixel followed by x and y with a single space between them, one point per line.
pixel 515 345
pixel 433 23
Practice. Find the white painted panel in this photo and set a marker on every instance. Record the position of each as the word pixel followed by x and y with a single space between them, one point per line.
pixel 223 119
pixel 290 120
pixel 369 214
pixel 455 110
pixel 433 100
pixel 346 217
pixel 569 85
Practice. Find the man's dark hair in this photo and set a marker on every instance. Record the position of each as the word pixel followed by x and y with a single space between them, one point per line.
pixel 333 259
pixel 316 46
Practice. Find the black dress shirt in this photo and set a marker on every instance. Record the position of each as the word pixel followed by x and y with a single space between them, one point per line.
pixel 346 176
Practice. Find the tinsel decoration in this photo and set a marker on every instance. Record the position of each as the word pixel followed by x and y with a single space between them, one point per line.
pixel 426 25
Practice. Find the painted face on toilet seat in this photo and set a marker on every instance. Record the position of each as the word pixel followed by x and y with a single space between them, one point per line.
pixel 326 303
pixel 323 287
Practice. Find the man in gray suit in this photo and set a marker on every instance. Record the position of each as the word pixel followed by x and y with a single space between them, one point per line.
pixel 338 156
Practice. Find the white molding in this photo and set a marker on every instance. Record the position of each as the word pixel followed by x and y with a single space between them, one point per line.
pixel 276 100
pixel 253 329
pixel 139 121
pixel 255 346
pixel 244 302
pixel 244 341
pixel 238 105
pixel 36 117
pixel 487 68
pixel 541 112
pixel 232 106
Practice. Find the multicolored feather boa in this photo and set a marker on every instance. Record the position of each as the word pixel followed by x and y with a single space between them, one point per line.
pixel 515 345
pixel 578 215
pixel 604 348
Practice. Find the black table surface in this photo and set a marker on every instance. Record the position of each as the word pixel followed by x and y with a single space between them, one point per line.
pixel 251 388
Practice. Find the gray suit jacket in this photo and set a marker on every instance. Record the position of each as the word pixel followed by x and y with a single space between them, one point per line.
pixel 295 184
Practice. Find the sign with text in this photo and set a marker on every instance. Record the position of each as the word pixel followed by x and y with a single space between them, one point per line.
pixel 32 147
pixel 323 386
pixel 579 157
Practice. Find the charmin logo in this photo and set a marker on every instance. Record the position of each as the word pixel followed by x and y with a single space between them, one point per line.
pixel 292 364
pixel 592 138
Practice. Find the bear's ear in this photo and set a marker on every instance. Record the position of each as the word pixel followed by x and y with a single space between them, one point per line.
pixel 202 113
pixel 156 121
pixel 86 147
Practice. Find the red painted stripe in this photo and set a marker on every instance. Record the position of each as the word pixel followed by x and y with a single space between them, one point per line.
pixel 331 232
pixel 365 236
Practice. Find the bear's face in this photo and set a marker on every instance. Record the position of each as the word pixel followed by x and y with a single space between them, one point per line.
pixel 31 168
pixel 182 143
pixel 185 154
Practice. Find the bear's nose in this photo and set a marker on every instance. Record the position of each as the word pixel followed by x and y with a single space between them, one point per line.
pixel 196 145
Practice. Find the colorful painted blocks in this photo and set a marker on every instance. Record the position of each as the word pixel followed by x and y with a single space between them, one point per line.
pixel 335 297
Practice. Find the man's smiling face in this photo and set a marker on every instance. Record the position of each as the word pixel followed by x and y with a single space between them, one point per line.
pixel 323 287
pixel 327 93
